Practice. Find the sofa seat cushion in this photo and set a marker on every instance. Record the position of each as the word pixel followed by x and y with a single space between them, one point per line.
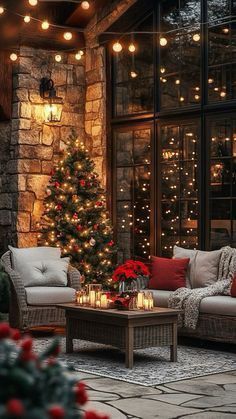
pixel 219 304
pixel 161 297
pixel 37 296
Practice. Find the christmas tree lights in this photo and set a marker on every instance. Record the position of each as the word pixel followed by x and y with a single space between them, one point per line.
pixel 75 216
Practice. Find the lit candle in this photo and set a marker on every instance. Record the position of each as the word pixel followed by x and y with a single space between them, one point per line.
pixel 146 304
pixel 150 301
pixel 140 299
pixel 98 304
pixel 78 293
pixel 104 302
pixel 92 298
pixel 84 299
pixel 81 299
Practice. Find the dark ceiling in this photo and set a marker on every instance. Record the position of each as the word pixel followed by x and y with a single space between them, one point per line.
pixel 14 31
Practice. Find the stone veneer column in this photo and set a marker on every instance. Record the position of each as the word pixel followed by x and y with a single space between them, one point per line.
pixel 35 145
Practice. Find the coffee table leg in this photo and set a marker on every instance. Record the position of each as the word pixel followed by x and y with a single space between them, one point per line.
pixel 173 348
pixel 69 340
pixel 129 350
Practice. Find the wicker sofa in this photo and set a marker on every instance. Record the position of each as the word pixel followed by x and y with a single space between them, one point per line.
pixel 217 320
pixel 23 314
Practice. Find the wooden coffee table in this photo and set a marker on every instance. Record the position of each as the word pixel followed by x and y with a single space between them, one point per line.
pixel 126 330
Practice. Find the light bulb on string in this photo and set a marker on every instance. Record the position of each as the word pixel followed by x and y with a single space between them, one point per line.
pixel 33 2
pixel 117 47
pixel 27 19
pixel 13 57
pixel 132 47
pixel 133 74
pixel 58 58
pixel 78 56
pixel 45 25
pixel 67 36
pixel 196 37
pixel 85 5
pixel 81 52
pixel 1 10
pixel 163 41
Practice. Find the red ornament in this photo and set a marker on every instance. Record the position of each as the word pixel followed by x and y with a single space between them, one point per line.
pixel 95 227
pixel 82 182
pixel 99 203
pixel 57 185
pixel 56 412
pixel 15 408
pixel 59 207
pixel 15 334
pixel 81 394
pixel 28 356
pixel 75 216
pixel 27 344
pixel 111 243
pixel 79 227
pixel 4 330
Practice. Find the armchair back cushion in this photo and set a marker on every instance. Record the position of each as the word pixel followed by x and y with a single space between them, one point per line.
pixel 20 257
pixel 204 266
pixel 46 273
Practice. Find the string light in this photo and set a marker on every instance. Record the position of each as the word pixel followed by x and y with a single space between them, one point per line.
pixel 33 2
pixel 67 36
pixel 85 5
pixel 225 30
pixel 58 58
pixel 27 19
pixel 133 74
pixel 132 48
pixel 78 56
pixel 196 37
pixel 163 41
pixel 45 25
pixel 13 57
pixel 117 47
pixel 1 10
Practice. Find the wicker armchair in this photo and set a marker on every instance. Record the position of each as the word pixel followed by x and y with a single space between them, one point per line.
pixel 24 316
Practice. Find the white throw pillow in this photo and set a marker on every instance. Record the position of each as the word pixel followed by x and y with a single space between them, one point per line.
pixel 204 265
pixel 21 256
pixel 46 273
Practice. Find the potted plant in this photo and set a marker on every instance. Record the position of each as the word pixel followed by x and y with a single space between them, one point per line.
pixel 132 275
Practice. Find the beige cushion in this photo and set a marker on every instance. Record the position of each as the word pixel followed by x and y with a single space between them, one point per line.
pixel 46 273
pixel 220 304
pixel 37 296
pixel 20 257
pixel 203 265
pixel 161 297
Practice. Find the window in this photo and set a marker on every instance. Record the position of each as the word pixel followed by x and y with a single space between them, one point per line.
pixel 174 130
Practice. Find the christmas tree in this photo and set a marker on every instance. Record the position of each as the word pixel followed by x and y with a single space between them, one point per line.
pixel 37 386
pixel 75 216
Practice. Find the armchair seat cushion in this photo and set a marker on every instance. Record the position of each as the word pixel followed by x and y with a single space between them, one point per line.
pixel 38 296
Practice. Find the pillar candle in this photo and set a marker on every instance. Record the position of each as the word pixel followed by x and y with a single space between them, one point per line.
pixel 98 304
pixel 146 304
pixel 140 298
pixel 92 298
pixel 104 301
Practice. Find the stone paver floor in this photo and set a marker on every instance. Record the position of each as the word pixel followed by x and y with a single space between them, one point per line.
pixel 210 397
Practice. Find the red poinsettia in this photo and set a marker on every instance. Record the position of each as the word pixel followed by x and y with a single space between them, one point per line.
pixel 130 270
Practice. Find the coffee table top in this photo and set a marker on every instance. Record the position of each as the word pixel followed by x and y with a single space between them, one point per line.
pixel 156 312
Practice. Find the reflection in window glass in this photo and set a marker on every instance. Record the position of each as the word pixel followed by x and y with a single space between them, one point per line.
pixel 179 210
pixel 222 182
pixel 133 192
pixel 133 73
pixel 180 55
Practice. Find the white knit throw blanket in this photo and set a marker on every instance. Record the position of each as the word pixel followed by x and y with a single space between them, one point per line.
pixel 189 300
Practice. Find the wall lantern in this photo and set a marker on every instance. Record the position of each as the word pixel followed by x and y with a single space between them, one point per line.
pixel 52 109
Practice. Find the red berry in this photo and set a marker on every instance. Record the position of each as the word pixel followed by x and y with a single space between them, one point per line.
pixel 15 408
pixel 15 334
pixel 27 344
pixel 56 412
pixel 81 394
pixel 4 330
pixel 28 356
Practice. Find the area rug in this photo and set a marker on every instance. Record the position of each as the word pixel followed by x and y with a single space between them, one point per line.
pixel 151 366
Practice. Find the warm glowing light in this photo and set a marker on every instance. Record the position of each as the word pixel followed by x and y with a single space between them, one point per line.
pixel 58 58
pixel 67 36
pixel 133 74
pixel 78 56
pixel 163 41
pixel 117 47
pixel 85 5
pixel 222 94
pixel 13 57
pixel 225 30
pixel 181 99
pixel 27 19
pixel 52 113
pixel 45 25
pixel 197 97
pixel 81 52
pixel 33 2
pixel 196 37
pixel 210 81
pixel 177 81
pixel 132 48
pixel 162 70
pixel 1 10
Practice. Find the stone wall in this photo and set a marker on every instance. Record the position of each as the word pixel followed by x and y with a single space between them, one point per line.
pixel 30 145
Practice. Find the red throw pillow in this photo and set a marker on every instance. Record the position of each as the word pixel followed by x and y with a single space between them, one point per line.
pixel 233 287
pixel 168 274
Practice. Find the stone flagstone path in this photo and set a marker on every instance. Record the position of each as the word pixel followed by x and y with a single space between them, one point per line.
pixel 210 397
